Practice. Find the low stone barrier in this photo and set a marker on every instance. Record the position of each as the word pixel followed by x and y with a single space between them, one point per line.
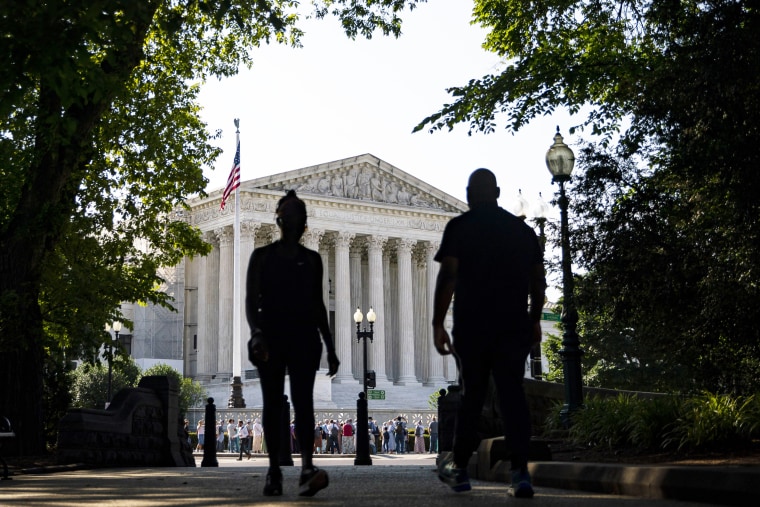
pixel 141 427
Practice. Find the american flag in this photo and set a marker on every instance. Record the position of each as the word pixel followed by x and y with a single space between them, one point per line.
pixel 233 181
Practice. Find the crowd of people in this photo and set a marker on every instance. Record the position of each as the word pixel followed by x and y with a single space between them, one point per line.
pixel 330 437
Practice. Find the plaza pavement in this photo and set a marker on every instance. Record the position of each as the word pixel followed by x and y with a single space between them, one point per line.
pixel 406 480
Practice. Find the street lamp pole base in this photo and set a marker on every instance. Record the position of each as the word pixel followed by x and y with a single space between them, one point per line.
pixel 236 393
pixel 362 432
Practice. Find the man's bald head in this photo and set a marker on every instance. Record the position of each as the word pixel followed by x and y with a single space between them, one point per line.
pixel 481 188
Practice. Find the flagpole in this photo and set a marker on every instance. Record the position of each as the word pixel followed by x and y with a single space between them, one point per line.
pixel 236 394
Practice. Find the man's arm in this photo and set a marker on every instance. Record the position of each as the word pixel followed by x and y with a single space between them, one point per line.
pixel 444 291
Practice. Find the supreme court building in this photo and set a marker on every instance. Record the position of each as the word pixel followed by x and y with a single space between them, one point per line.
pixel 377 229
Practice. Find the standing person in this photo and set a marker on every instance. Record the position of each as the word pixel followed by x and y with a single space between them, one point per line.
pixel 325 436
pixel 186 433
pixel 231 436
pixel 317 439
pixel 419 438
pixel 285 279
pixel 390 433
pixel 294 447
pixel 375 430
pixel 347 446
pixel 201 433
pixel 257 434
pixel 220 436
pixel 433 431
pixel 372 444
pixel 492 261
pixel 400 434
pixel 334 434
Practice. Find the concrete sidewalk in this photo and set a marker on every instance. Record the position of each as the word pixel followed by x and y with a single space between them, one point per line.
pixel 392 480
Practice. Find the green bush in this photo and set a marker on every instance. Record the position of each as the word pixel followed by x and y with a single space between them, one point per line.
pixel 697 423
pixel 715 421
pixel 604 422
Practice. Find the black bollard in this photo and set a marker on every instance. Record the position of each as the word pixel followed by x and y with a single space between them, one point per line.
pixel 362 432
pixel 286 457
pixel 209 444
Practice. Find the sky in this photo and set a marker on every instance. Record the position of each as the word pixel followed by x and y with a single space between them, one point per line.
pixel 335 98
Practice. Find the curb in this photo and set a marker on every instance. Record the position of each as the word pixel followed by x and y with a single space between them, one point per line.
pixel 720 485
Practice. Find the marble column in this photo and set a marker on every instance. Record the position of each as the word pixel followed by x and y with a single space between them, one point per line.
pixel 311 239
pixel 248 230
pixel 191 315
pixel 405 313
pixel 344 322
pixel 419 296
pixel 225 236
pixel 355 264
pixel 435 360
pixel 375 246
pixel 389 315
pixel 324 251
pixel 208 308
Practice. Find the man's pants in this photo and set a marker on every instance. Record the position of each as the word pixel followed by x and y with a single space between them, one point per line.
pixel 479 358
pixel 433 443
pixel 333 445
pixel 245 446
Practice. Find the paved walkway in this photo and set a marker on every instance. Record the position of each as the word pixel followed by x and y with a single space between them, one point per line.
pixel 391 481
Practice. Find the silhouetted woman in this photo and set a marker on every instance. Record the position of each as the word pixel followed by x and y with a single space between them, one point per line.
pixel 287 314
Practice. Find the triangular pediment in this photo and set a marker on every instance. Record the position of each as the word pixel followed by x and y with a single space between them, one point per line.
pixel 363 178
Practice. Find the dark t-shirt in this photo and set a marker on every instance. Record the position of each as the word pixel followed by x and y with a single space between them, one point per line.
pixel 496 253
pixel 291 294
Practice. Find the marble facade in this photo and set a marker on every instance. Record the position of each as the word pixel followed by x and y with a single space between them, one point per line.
pixel 377 229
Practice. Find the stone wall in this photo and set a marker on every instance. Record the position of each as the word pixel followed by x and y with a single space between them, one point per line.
pixel 141 427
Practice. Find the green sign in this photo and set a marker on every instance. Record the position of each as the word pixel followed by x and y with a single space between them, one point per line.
pixel 550 316
pixel 375 394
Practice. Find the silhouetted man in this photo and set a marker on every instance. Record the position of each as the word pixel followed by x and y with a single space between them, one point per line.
pixel 492 261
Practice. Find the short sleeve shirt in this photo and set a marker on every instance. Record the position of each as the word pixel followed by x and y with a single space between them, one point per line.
pixel 496 253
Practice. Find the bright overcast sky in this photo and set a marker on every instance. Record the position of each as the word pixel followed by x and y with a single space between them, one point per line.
pixel 335 98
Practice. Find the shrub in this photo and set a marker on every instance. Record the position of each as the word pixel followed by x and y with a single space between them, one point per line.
pixel 604 422
pixel 714 420
pixel 698 423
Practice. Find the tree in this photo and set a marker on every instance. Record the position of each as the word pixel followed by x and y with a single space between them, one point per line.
pixel 100 142
pixel 665 221
pixel 89 382
pixel 191 393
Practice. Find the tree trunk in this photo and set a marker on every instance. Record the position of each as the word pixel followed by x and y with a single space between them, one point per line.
pixel 21 352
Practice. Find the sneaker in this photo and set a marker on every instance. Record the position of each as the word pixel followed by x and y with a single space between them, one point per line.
pixel 273 486
pixel 456 478
pixel 521 486
pixel 312 481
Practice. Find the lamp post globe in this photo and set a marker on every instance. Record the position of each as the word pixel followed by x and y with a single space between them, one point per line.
pixel 560 161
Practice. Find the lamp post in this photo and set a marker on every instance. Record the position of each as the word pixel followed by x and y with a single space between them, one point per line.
pixel 560 161
pixel 540 212
pixel 364 334
pixel 362 429
pixel 116 328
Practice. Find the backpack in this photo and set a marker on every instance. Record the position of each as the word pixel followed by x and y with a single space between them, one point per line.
pixel 334 431
pixel 400 429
